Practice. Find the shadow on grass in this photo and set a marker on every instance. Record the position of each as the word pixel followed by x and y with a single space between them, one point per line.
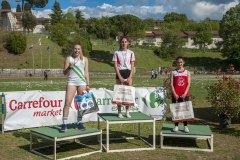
pixel 102 56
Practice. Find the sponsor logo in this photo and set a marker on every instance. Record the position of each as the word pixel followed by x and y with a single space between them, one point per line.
pixel 153 99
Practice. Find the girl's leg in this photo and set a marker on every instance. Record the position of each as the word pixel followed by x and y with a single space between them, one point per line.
pixel 185 122
pixel 119 106
pixel 70 92
pixel 120 111
pixel 80 90
pixel 128 107
pixel 175 129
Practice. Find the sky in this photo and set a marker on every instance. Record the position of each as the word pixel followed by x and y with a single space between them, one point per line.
pixel 194 9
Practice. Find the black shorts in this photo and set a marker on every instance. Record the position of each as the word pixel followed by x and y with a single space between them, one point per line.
pixel 180 99
pixel 124 73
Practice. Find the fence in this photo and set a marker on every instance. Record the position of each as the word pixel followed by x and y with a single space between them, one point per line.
pixel 40 73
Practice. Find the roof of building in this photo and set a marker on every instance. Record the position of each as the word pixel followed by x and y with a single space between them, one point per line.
pixel 159 33
pixel 5 10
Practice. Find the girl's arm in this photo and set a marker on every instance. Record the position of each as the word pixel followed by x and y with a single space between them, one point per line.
pixel 131 73
pixel 188 86
pixel 86 73
pixel 67 66
pixel 118 73
pixel 172 88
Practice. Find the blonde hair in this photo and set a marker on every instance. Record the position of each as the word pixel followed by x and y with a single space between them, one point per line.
pixel 81 52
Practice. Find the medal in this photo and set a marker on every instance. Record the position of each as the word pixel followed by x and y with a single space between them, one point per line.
pixel 124 59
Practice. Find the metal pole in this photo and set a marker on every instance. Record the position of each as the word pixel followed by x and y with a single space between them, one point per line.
pixel 49 57
pixel 2 113
pixel 33 63
pixel 31 47
pixel 41 56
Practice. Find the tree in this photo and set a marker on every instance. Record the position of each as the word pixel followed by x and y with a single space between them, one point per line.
pixel 230 33
pixel 38 3
pixel 80 19
pixel 58 34
pixel 18 9
pixel 127 23
pixel 77 39
pixel 28 21
pixel 102 28
pixel 213 23
pixel 5 5
pixel 69 22
pixel 27 7
pixel 149 23
pixel 175 17
pixel 57 14
pixel 203 36
pixel 90 25
pixel 171 45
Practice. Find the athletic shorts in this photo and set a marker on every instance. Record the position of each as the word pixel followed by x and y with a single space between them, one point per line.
pixel 180 99
pixel 124 73
pixel 76 82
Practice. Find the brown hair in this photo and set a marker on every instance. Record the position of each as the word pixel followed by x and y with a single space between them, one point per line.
pixel 120 40
pixel 180 57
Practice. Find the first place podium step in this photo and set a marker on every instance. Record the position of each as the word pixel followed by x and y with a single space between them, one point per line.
pixel 197 132
pixel 136 117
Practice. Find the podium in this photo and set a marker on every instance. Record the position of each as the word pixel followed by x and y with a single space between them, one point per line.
pixel 52 134
pixel 136 117
pixel 197 132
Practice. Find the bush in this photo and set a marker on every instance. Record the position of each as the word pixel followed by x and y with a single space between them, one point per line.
pixel 3 39
pixel 16 43
pixel 83 40
pixel 224 96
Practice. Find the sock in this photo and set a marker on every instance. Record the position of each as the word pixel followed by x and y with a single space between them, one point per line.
pixel 65 121
pixel 79 120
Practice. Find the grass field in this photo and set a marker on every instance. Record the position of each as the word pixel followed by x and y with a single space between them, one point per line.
pixel 100 59
pixel 15 144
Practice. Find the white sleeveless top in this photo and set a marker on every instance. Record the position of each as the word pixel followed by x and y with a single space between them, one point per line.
pixel 73 78
pixel 124 59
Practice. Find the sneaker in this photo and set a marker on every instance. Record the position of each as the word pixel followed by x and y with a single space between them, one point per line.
pixel 120 115
pixel 175 129
pixel 80 126
pixel 63 128
pixel 128 115
pixel 186 130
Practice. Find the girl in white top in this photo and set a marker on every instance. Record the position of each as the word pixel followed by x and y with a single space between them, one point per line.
pixel 124 67
pixel 76 67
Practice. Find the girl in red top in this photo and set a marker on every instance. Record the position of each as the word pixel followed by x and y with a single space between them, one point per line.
pixel 180 84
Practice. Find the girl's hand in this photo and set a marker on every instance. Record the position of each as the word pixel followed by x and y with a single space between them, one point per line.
pixel 87 88
pixel 70 66
pixel 122 80
pixel 176 97
pixel 183 96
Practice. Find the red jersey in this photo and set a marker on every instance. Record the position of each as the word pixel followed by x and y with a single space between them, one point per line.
pixel 180 82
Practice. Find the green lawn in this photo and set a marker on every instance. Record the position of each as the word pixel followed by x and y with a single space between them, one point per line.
pixel 100 59
pixel 15 144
